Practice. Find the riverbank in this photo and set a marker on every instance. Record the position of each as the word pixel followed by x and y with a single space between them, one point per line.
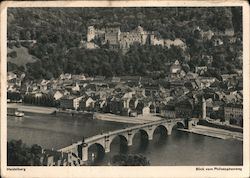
pixel 32 109
pixel 126 119
pixel 214 132
pixel 220 125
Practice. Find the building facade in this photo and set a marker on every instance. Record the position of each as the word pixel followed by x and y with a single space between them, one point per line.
pixel 233 113
pixel 116 39
pixel 70 102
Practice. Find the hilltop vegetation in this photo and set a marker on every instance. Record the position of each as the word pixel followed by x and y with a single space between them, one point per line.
pixel 70 23
pixel 58 32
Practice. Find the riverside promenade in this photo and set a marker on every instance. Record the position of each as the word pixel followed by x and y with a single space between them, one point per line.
pixel 214 132
pixel 127 119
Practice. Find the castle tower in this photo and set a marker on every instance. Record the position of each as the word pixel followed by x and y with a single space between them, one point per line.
pixel 203 108
pixel 91 33
pixel 152 39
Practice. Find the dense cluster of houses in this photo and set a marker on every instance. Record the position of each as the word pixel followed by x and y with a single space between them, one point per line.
pixel 178 95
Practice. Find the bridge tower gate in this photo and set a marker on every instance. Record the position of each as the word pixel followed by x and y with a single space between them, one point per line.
pixel 85 152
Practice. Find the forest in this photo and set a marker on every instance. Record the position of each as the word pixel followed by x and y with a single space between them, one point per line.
pixel 58 32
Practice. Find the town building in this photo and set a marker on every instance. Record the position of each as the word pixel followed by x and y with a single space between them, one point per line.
pixel 65 76
pixel 233 114
pixel 184 109
pixel 11 76
pixel 70 102
pixel 200 70
pixel 57 95
pixel 176 70
pixel 87 103
pixel 168 111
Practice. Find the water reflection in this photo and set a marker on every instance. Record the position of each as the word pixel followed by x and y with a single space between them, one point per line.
pixel 18 119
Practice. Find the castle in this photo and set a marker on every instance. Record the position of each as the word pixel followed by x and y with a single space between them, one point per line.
pixel 123 40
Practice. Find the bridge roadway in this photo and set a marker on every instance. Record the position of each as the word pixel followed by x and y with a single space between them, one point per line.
pixel 104 140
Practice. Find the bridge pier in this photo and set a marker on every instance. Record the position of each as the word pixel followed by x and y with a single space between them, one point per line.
pixel 150 132
pixel 130 141
pixel 107 149
pixel 150 136
pixel 107 144
pixel 130 138
pixel 170 131
pixel 190 124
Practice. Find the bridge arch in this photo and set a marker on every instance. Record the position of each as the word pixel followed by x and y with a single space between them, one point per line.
pixel 123 142
pixel 121 136
pixel 180 124
pixel 144 136
pixel 96 151
pixel 162 129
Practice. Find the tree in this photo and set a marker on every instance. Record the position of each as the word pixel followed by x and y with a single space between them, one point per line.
pixel 28 35
pixel 14 96
pixel 18 154
pixel 130 160
pixel 36 152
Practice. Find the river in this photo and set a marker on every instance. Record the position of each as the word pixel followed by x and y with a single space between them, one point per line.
pixel 178 149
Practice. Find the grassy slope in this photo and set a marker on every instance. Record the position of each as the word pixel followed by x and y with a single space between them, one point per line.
pixel 23 56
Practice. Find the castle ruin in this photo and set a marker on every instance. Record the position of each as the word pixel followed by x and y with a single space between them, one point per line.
pixel 123 40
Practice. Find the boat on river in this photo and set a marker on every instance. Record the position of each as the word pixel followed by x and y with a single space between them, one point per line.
pixel 19 114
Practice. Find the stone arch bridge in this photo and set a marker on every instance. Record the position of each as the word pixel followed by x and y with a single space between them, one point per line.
pixel 104 140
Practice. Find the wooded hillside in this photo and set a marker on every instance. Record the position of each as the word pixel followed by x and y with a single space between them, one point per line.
pixel 58 32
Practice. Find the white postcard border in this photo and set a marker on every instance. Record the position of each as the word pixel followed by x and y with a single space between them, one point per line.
pixel 152 171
